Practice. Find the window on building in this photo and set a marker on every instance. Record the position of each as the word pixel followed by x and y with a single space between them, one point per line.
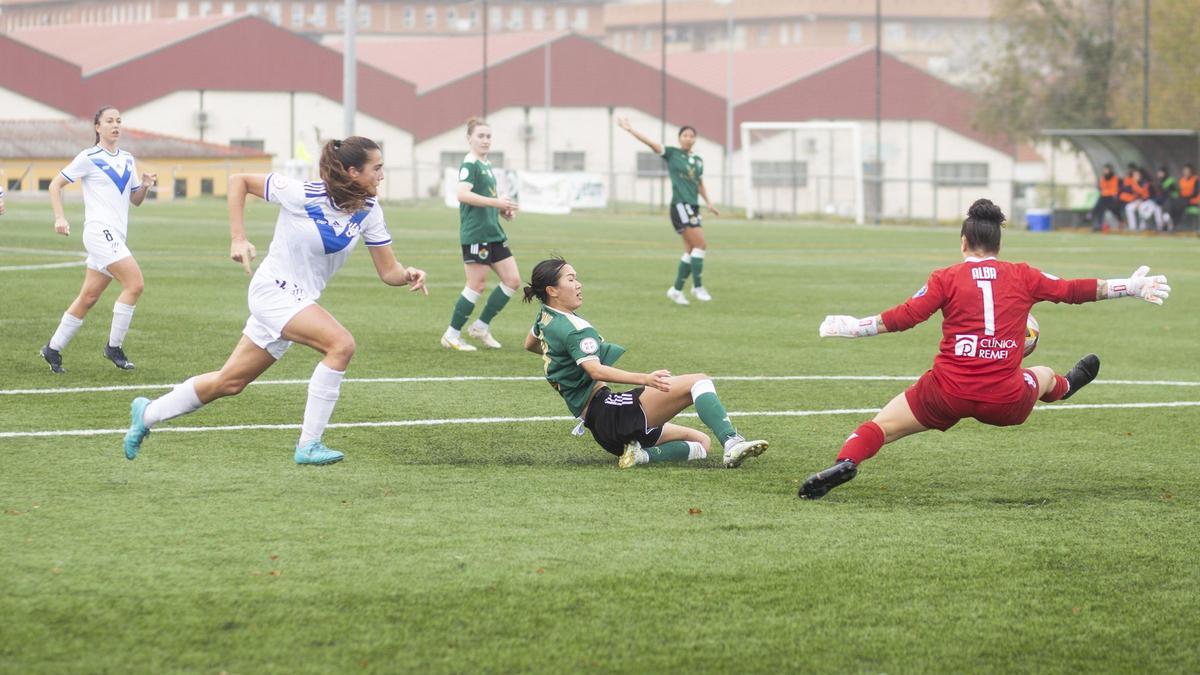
pixel 650 165
pixel 274 13
pixel 43 184
pixel 297 15
pixel 568 161
pixel 798 33
pixel 895 32
pixel 581 20
pixel 769 173
pixel 410 17
pixel 205 9
pixel 560 18
pixel 960 173
pixel 629 42
pixel 206 186
pixel 538 18
pixel 497 159
pixel 473 19
pixel 785 35
pixel 496 17
pixel 181 10
pixel 451 159
pixel 180 188
pixel 253 8
pixel 764 35
pixel 14 185
pixel 364 15
pixel 516 19
pixel 227 9
pixel 854 33
pixel 647 40
pixel 431 17
pixel 451 17
pixel 319 16
pixel 251 143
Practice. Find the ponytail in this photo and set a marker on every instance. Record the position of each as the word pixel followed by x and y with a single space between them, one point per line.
pixel 337 157
pixel 475 122
pixel 544 275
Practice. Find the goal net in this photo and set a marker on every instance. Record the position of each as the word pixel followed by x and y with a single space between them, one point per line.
pixel 802 168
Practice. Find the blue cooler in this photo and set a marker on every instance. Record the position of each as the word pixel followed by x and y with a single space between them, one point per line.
pixel 1038 220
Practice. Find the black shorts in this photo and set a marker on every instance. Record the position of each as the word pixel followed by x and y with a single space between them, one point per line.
pixel 617 418
pixel 684 216
pixel 486 254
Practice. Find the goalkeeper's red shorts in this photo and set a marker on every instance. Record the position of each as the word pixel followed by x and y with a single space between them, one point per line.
pixel 935 408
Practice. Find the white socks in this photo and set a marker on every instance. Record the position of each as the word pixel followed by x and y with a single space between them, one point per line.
pixel 323 391
pixel 479 325
pixel 179 401
pixel 702 387
pixel 471 296
pixel 696 451
pixel 122 316
pixel 698 253
pixel 507 291
pixel 67 328
pixel 685 258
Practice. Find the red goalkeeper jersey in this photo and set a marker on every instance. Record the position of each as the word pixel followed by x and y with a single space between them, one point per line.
pixel 984 305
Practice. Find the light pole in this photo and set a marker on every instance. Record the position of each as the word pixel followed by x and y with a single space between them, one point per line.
pixel 727 182
pixel 349 69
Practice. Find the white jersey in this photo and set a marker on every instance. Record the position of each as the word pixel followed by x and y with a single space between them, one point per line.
pixel 108 180
pixel 312 238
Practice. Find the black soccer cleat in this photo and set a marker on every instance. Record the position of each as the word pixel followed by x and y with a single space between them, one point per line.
pixel 117 356
pixel 54 359
pixel 819 484
pixel 1085 371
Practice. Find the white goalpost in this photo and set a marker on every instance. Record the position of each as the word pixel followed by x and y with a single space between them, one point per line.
pixel 803 167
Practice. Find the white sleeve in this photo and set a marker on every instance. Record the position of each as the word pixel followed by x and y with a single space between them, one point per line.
pixel 135 177
pixel 78 168
pixel 374 231
pixel 284 191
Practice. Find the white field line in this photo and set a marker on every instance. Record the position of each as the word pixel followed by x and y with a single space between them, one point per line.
pixel 522 378
pixel 552 418
pixel 43 252
pixel 47 266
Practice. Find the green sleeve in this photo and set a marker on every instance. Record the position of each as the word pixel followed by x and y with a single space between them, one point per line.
pixel 583 343
pixel 468 172
pixel 669 152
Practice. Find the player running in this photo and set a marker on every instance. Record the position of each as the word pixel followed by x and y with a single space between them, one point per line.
pixel 484 243
pixel 110 182
pixel 687 184
pixel 984 304
pixel 633 425
pixel 319 224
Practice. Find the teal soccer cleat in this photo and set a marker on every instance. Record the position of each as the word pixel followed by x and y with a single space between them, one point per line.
pixel 315 453
pixel 137 430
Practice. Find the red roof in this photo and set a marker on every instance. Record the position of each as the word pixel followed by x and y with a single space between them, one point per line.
pixel 58 139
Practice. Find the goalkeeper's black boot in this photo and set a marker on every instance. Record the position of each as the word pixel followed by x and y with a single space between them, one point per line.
pixel 820 483
pixel 1085 371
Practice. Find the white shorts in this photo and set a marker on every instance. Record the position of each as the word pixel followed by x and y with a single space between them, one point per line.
pixel 104 246
pixel 271 307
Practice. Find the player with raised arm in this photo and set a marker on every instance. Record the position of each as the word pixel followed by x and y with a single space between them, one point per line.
pixel 109 177
pixel 686 170
pixel 633 425
pixel 977 373
pixel 319 224
pixel 484 243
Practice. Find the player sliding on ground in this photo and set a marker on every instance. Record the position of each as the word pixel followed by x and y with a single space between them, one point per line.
pixel 984 304
pixel 319 224
pixel 633 425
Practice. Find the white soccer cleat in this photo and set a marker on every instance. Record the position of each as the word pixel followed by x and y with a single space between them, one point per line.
pixel 677 297
pixel 700 294
pixel 633 455
pixel 457 344
pixel 484 335
pixel 736 453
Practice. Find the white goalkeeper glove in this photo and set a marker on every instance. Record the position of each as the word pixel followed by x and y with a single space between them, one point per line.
pixel 839 325
pixel 1152 288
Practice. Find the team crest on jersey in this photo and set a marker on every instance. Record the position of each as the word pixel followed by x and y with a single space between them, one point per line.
pixel 483 252
pixel 589 345
pixel 922 291
pixel 278 182
pixel 464 173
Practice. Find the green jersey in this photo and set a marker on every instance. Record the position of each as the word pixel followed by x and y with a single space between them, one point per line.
pixel 479 224
pixel 685 170
pixel 568 341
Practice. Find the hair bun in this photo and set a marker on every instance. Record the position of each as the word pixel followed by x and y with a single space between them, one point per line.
pixel 984 209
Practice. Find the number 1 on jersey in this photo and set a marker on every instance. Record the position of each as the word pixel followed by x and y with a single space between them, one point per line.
pixel 989 307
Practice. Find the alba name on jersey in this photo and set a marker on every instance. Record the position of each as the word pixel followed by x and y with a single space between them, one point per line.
pixel 312 238
pixel 984 305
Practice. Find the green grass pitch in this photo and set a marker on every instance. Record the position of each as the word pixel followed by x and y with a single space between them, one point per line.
pixel 1069 544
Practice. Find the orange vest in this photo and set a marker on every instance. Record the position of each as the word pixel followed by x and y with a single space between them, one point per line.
pixel 1127 187
pixel 1109 187
pixel 1187 188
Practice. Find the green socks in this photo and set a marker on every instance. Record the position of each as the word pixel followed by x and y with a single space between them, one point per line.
pixel 496 301
pixel 697 267
pixel 463 308
pixel 712 413
pixel 685 268
pixel 671 451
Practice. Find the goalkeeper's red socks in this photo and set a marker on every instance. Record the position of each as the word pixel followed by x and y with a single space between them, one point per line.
pixel 1057 391
pixel 866 440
